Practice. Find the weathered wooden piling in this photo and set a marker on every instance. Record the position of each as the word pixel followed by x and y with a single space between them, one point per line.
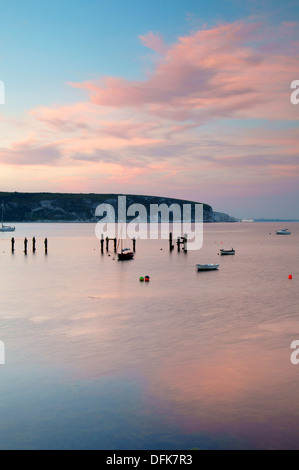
pixel 171 245
pixel 182 241
pixel 33 245
pixel 25 246
pixel 185 242
pixel 46 246
pixel 102 243
pixel 178 242
pixel 134 244
pixel 12 245
pixel 114 242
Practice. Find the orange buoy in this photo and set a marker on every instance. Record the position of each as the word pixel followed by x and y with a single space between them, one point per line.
pixel 290 276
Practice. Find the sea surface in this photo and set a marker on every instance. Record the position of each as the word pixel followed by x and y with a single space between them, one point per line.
pixel 95 359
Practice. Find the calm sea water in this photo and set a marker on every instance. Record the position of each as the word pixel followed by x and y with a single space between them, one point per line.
pixel 97 360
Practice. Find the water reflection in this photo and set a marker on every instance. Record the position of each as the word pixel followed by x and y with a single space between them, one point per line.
pixel 96 359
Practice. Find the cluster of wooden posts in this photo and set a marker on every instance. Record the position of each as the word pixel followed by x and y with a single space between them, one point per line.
pixel 114 240
pixel 26 245
pixel 180 241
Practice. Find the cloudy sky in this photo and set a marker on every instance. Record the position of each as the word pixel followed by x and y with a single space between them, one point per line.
pixel 175 98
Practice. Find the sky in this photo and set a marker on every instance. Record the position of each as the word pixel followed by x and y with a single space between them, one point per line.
pixel 187 99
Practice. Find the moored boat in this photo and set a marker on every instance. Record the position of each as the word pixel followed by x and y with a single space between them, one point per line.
pixel 284 231
pixel 5 228
pixel 227 252
pixel 207 267
pixel 125 254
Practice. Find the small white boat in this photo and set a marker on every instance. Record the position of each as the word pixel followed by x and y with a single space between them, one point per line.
pixel 5 228
pixel 283 232
pixel 207 267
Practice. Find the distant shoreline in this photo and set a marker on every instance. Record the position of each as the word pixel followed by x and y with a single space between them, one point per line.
pixel 95 222
pixel 81 208
pixel 281 221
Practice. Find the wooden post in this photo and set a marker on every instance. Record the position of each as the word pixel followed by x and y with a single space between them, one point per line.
pixel 33 245
pixel 46 246
pixel 12 245
pixel 115 244
pixel 179 244
pixel 25 246
pixel 185 242
pixel 102 243
pixel 134 244
pixel 171 246
pixel 107 244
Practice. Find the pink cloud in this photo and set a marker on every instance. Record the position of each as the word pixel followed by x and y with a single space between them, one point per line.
pixel 154 41
pixel 226 71
pixel 168 132
pixel 30 152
